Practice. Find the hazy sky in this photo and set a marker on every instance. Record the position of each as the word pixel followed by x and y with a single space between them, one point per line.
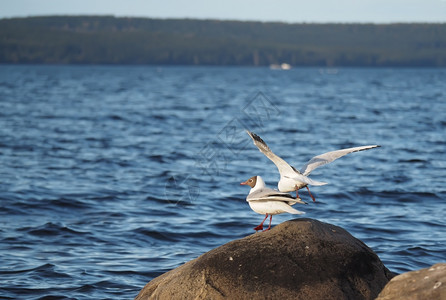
pixel 377 11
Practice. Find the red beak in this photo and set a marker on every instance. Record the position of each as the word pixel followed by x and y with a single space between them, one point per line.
pixel 244 183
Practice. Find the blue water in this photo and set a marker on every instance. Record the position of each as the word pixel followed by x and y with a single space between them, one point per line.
pixel 111 176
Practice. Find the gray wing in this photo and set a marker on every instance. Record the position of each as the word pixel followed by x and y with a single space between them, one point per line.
pixel 329 157
pixel 283 167
pixel 269 194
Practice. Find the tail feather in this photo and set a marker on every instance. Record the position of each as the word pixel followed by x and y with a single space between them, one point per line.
pixel 308 180
pixel 298 200
pixel 315 182
pixel 291 210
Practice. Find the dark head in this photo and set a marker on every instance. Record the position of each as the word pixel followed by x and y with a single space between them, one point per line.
pixel 251 182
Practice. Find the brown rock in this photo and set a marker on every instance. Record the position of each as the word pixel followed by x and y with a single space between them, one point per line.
pixel 298 259
pixel 423 284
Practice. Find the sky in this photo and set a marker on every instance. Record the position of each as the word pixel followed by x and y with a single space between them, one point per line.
pixel 292 11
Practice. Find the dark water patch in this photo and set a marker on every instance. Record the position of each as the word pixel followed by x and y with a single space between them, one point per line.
pixel 49 205
pixel 116 118
pixel 55 297
pixel 4 294
pixel 114 287
pixel 411 251
pixel 85 289
pixel 418 197
pixel 230 200
pixel 174 199
pixel 45 271
pixel 128 273
pixel 408 199
pixel 159 117
pixel 385 195
pixel 51 229
pixel 157 158
pixel 413 160
pixel 70 203
pixel 387 231
pixel 401 266
pixel 159 235
pixel 229 225
pixel 7 272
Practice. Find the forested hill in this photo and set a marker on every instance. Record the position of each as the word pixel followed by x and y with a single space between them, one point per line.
pixel 110 40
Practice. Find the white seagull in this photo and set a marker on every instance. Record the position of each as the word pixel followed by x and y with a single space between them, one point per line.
pixel 292 179
pixel 266 201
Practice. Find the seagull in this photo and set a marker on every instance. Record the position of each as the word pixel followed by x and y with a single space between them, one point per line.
pixel 269 202
pixel 292 179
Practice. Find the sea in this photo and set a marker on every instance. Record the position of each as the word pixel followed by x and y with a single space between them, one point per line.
pixel 113 175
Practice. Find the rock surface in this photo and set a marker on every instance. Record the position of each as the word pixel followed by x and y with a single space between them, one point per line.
pixel 298 259
pixel 427 283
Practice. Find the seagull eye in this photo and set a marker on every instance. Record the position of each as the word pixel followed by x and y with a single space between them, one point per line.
pixel 250 180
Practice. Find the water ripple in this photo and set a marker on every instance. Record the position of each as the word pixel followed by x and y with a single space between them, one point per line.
pixel 112 176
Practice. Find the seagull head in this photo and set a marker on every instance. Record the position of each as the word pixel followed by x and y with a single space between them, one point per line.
pixel 254 182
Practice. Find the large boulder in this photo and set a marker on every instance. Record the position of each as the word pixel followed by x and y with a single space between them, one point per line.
pixel 427 283
pixel 298 259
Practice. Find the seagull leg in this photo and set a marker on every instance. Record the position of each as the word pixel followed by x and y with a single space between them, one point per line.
pixel 297 194
pixel 314 200
pixel 260 227
pixel 269 227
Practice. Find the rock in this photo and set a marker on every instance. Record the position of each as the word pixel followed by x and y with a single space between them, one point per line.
pixel 427 283
pixel 298 259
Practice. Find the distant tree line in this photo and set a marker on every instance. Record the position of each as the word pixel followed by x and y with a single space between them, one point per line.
pixel 110 40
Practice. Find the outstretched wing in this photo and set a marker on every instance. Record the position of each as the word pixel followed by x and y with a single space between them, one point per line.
pixel 329 157
pixel 283 167
pixel 267 194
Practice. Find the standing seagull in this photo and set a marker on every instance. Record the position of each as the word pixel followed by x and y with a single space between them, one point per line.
pixel 266 201
pixel 290 178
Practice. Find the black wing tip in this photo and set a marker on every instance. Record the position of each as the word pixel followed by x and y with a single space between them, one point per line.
pixel 368 148
pixel 373 146
pixel 285 195
pixel 255 137
pixel 251 134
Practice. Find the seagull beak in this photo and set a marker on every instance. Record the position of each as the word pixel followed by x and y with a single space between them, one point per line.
pixel 244 183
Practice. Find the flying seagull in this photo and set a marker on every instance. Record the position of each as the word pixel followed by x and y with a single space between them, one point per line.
pixel 292 179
